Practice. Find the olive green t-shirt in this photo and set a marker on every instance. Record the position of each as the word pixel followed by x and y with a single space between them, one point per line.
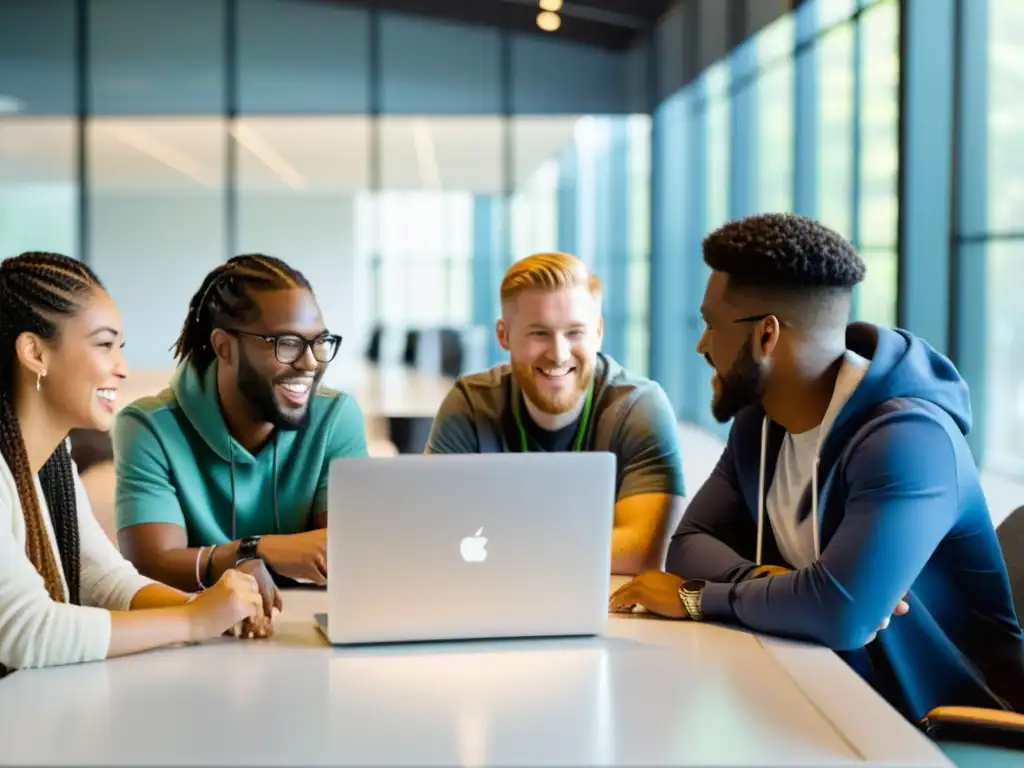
pixel 630 416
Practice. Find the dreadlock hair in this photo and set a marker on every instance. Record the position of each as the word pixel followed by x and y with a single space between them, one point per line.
pixel 36 290
pixel 224 296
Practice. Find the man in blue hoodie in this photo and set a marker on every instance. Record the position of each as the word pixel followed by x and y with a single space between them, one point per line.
pixel 846 485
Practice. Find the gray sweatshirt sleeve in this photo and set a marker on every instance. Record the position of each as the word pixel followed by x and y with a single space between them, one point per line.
pixel 453 430
pixel 650 460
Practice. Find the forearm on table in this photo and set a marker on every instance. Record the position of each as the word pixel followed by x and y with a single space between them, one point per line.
pixel 158 596
pixel 177 567
pixel 634 553
pixel 143 630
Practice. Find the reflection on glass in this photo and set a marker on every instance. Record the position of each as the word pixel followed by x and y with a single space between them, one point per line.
pixel 775 41
pixel 421 246
pixel 1005 124
pixel 879 124
pixel 38 188
pixel 835 129
pixel 774 174
pixel 716 89
pixel 879 134
pixel 424 237
pixel 298 178
pixel 157 218
pixel 535 212
pixel 831 12
pixel 638 293
pixel 1004 321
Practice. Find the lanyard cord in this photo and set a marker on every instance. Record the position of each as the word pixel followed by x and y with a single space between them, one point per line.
pixel 580 432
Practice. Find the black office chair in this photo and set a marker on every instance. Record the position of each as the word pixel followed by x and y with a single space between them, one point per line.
pixel 90 447
pixel 373 348
pixel 451 352
pixel 412 341
pixel 1011 540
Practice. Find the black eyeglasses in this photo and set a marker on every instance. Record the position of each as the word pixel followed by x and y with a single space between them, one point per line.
pixel 289 347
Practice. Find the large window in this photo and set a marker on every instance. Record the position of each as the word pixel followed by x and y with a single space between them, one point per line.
pixel 716 182
pixel 39 196
pixel 878 205
pixel 639 259
pixel 774 118
pixel 990 227
pixel 835 130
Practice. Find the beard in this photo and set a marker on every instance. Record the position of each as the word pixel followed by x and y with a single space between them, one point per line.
pixel 742 385
pixel 553 404
pixel 258 392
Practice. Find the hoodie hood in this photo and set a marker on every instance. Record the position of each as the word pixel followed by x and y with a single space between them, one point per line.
pixel 901 365
pixel 197 397
pixel 881 364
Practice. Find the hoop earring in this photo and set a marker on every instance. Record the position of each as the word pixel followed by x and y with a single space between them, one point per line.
pixel 39 380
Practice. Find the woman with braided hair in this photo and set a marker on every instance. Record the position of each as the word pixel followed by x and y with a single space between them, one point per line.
pixel 66 594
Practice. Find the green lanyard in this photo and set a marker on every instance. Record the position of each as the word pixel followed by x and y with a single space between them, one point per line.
pixel 577 445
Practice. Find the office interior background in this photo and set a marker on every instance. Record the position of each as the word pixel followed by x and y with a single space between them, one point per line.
pixel 403 153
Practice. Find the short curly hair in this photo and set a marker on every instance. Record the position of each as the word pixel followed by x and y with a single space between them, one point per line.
pixel 783 251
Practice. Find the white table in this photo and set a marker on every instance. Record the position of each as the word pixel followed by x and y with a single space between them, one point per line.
pixel 649 693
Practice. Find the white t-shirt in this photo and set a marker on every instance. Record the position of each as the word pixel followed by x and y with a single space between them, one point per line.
pixel 794 468
pixel 35 631
pixel 792 478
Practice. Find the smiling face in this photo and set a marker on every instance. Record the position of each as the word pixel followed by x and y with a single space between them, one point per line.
pixel 552 337
pixel 84 365
pixel 279 392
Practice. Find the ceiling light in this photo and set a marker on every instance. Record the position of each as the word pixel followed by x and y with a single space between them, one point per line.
pixel 548 21
pixel 551 5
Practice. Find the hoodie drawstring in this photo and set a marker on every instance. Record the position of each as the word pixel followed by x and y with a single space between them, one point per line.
pixel 277 518
pixel 761 497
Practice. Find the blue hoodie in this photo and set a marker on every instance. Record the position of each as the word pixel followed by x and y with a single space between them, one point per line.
pixel 900 511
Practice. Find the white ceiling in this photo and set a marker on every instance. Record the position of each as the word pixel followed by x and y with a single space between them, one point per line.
pixel 314 154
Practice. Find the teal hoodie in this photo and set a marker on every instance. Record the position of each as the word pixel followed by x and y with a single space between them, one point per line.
pixel 178 463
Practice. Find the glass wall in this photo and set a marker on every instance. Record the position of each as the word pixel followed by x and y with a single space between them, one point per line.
pixel 39 156
pixel 990 232
pixel 400 162
pixel 801 116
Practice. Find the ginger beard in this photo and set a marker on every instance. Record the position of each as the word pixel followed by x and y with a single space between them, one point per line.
pixel 553 395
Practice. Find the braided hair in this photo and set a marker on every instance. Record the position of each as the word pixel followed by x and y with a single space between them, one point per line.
pixel 36 290
pixel 225 295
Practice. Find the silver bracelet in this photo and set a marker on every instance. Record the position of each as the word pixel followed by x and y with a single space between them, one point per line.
pixel 199 557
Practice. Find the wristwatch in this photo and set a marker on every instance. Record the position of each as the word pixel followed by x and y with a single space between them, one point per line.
pixel 690 592
pixel 247 549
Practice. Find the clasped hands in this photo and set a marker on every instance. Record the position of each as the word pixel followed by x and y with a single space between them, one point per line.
pixel 658 593
pixel 301 556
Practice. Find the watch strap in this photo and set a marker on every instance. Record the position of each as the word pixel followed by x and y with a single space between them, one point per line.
pixel 691 593
pixel 247 549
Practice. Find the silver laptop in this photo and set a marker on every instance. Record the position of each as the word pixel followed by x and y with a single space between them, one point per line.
pixel 472 546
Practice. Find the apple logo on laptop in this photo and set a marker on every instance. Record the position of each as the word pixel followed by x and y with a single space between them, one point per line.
pixel 474 548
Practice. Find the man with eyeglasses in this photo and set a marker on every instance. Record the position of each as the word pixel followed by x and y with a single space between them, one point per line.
pixel 846 509
pixel 228 467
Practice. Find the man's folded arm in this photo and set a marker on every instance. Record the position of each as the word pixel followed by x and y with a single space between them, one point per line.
pixel 902 501
pixel 717 536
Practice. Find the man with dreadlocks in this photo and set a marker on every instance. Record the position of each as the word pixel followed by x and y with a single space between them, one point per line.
pixel 66 594
pixel 229 465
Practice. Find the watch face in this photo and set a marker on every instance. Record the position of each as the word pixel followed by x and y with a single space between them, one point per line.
pixel 693 586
